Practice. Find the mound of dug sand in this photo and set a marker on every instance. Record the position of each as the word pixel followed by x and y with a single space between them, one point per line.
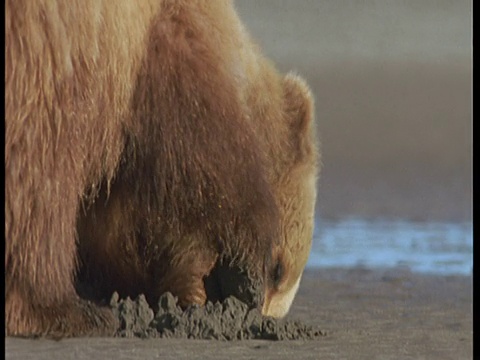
pixel 227 320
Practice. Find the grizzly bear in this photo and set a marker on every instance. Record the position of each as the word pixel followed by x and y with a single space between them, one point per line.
pixel 146 143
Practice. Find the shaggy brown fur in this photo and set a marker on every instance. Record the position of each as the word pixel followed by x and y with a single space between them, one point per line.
pixel 154 128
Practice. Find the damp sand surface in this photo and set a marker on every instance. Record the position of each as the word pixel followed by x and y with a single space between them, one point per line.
pixel 227 320
pixel 367 314
pixel 231 313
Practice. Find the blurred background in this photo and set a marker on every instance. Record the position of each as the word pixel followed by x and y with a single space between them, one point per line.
pixel 392 81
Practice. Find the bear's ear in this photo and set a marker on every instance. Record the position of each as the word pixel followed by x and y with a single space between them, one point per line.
pixel 299 111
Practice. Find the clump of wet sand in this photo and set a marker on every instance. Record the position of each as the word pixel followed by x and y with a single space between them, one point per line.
pixel 230 319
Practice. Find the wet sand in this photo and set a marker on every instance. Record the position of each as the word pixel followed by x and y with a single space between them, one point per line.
pixel 384 314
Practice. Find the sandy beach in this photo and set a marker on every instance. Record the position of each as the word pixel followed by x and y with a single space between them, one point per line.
pixel 392 83
pixel 383 314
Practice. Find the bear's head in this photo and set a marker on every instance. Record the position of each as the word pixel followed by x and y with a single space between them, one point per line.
pixel 281 109
pixel 295 187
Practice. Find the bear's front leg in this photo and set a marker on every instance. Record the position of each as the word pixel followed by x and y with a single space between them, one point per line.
pixel 184 275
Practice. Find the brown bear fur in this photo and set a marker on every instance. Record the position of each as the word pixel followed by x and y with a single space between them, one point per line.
pixel 157 131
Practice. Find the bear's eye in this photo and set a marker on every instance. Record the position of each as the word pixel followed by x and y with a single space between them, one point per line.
pixel 277 274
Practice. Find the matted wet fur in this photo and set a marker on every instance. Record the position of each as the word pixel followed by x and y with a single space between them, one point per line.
pixel 145 142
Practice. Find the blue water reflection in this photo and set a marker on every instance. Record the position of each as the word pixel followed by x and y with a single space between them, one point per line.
pixel 433 247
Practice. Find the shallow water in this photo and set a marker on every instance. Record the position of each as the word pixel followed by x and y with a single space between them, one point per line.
pixel 431 247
